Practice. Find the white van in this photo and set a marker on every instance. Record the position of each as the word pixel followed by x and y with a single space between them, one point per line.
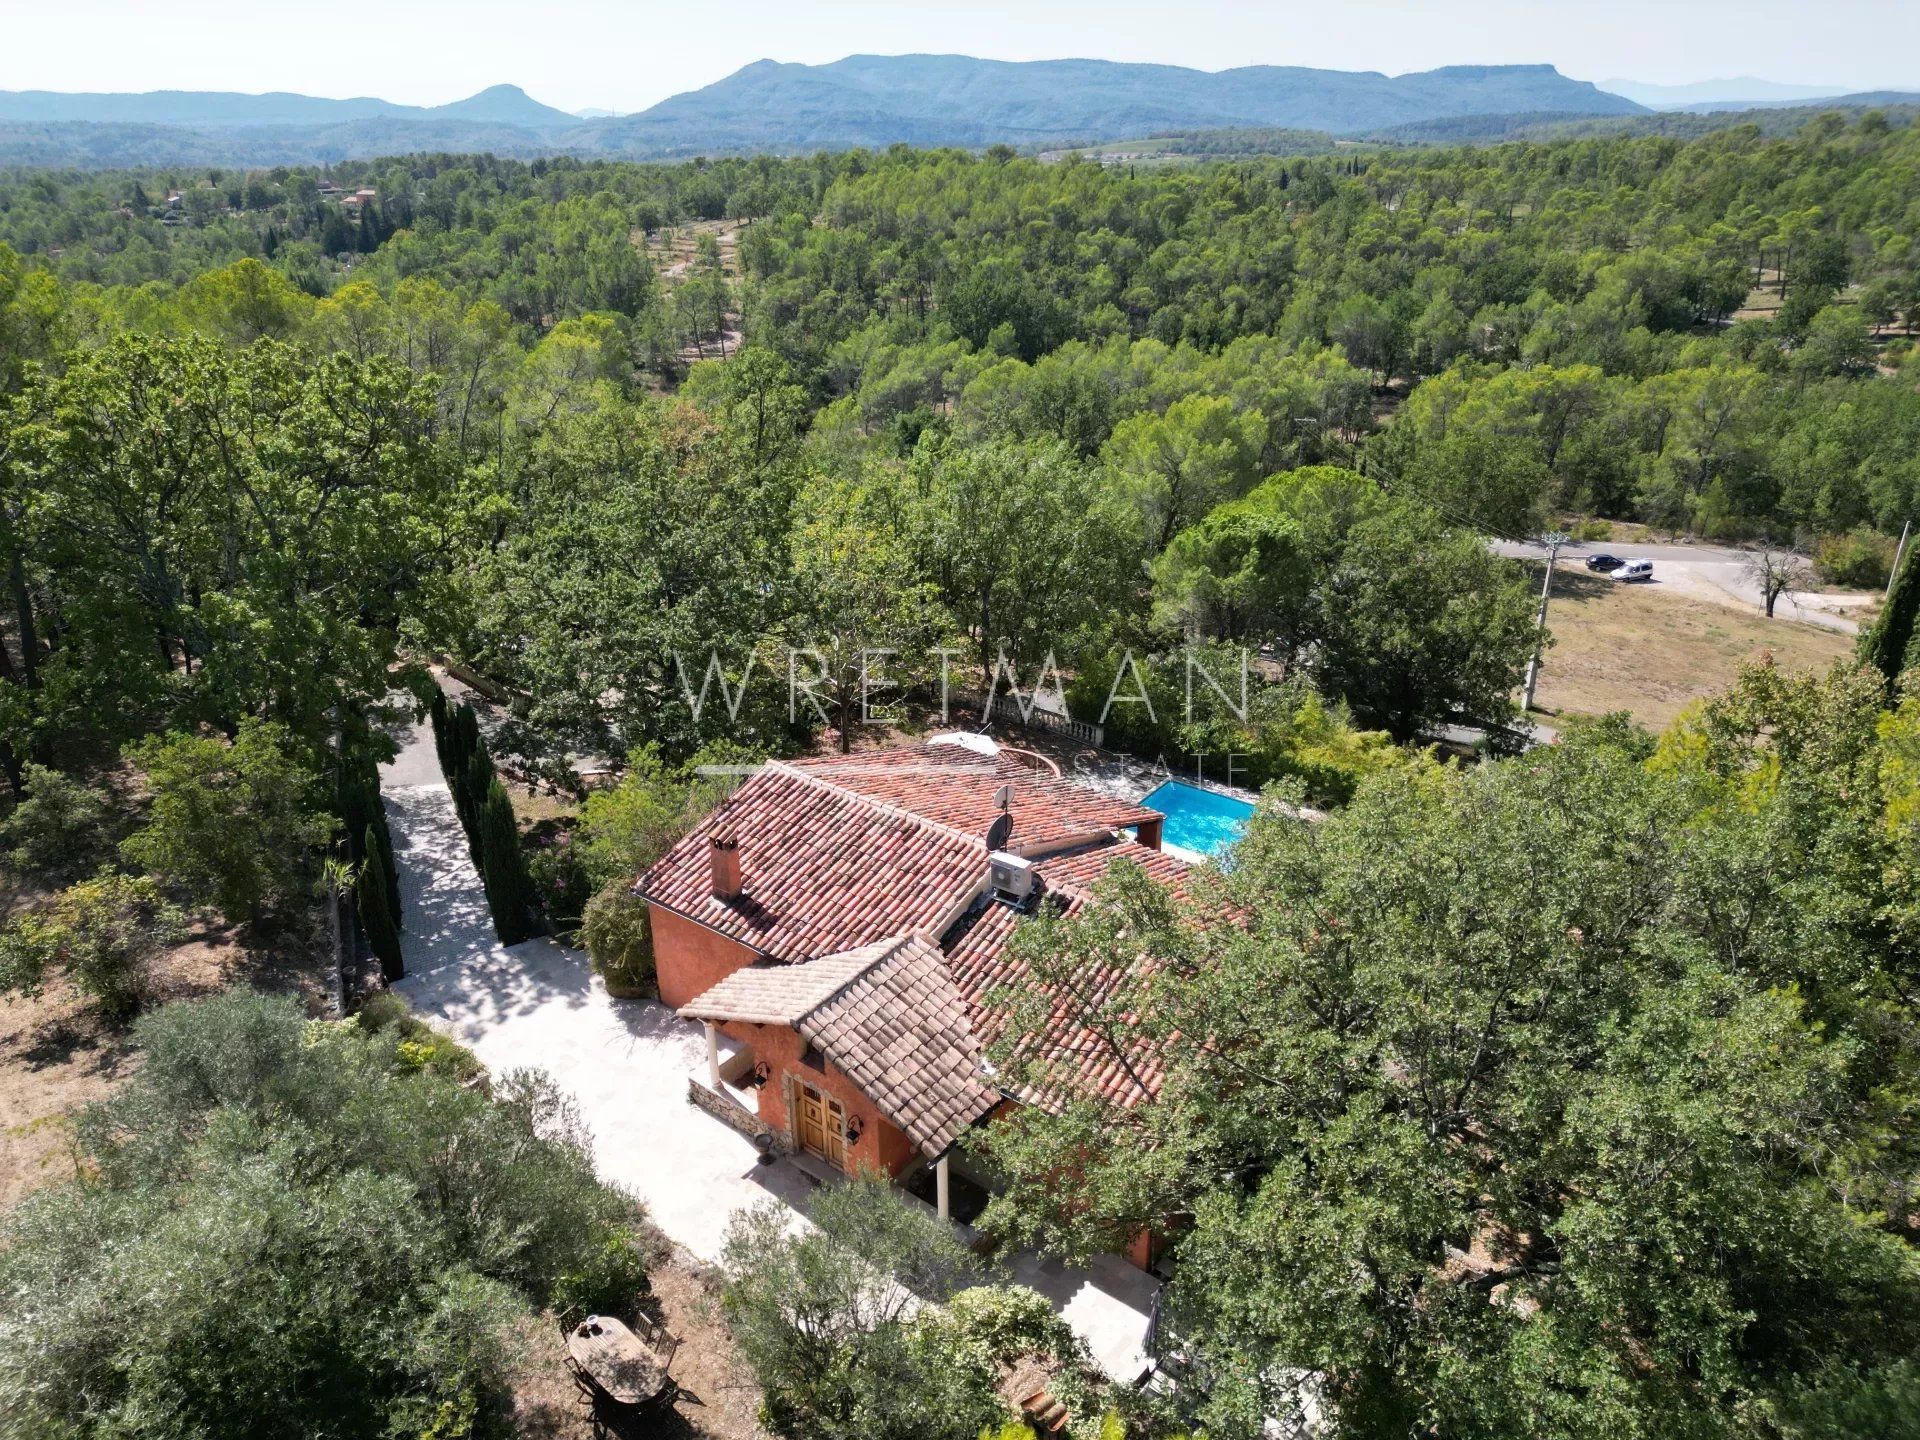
pixel 1635 570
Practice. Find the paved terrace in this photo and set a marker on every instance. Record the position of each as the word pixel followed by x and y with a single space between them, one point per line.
pixel 627 1064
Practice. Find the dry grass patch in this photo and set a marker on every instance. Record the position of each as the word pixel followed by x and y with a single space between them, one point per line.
pixel 1648 651
pixel 56 1056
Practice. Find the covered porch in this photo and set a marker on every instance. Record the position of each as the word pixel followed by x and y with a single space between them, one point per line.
pixel 858 1060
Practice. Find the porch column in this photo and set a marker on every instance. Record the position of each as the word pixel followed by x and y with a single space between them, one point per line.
pixel 713 1055
pixel 940 1185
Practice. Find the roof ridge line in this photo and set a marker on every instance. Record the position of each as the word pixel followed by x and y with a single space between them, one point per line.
pixel 883 807
pixel 892 943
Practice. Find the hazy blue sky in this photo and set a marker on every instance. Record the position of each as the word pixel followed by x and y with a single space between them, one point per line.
pixel 626 54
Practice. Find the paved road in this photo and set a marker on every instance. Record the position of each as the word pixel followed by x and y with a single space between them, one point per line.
pixel 1708 572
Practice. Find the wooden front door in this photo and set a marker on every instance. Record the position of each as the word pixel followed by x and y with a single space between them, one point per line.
pixel 820 1125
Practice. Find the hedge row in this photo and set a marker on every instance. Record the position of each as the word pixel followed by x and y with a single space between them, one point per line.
pixel 487 816
pixel 376 895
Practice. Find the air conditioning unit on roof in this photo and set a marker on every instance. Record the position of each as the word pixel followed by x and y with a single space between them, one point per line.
pixel 1013 878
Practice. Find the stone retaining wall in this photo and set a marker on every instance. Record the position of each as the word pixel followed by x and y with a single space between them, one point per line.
pixel 729 1111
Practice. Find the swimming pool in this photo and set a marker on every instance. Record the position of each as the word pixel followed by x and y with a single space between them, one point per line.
pixel 1200 820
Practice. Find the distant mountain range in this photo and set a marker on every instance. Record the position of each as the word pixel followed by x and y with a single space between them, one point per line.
pixel 1743 92
pixel 880 100
pixel 955 100
pixel 863 100
pixel 227 110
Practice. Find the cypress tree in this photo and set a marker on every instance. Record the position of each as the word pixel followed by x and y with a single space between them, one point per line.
pixel 442 717
pixel 384 835
pixel 376 919
pixel 476 781
pixel 503 869
pixel 466 738
pixel 351 807
pixel 1892 646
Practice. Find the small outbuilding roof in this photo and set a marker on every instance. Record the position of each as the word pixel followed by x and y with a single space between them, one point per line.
pixel 889 1017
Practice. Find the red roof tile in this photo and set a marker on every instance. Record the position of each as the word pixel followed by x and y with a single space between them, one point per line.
pixel 841 852
pixel 978 957
pixel 955 787
pixel 822 870
pixel 888 1016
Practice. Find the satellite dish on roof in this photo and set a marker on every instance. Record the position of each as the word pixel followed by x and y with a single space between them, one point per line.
pixel 1003 797
pixel 998 832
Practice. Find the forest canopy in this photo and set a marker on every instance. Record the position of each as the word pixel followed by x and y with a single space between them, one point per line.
pixel 1577 1085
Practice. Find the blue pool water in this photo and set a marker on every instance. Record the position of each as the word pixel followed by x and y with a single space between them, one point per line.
pixel 1202 820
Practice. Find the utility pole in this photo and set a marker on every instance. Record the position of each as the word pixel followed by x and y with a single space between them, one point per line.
pixel 1899 553
pixel 1553 540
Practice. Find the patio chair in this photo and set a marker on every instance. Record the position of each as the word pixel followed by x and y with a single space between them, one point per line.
pixel 665 1344
pixel 589 1393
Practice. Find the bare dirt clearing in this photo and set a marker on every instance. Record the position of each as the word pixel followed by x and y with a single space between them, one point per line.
pixel 55 1057
pixel 718 1399
pixel 1648 652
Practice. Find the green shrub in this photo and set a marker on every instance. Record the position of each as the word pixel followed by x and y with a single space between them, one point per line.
pixel 619 940
pixel 824 1317
pixel 416 1045
pixel 991 1325
pixel 626 828
pixel 1592 530
pixel 293 1235
pixel 61 830
pixel 383 1010
pixel 105 933
pixel 613 1275
pixel 559 882
pixel 427 1049
pixel 232 825
pixel 1862 558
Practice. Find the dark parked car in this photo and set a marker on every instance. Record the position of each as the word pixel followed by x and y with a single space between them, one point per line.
pixel 1606 564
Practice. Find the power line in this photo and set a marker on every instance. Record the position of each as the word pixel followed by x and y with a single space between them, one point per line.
pixel 1458 517
pixel 1555 539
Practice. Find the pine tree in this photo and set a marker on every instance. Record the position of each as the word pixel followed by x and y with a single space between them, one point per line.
pixel 503 869
pixel 1892 646
pixel 376 919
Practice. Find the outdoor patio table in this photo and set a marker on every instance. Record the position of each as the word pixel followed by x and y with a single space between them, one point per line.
pixel 616 1360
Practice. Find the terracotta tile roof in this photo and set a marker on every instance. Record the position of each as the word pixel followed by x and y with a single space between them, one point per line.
pixel 822 869
pixel 1079 869
pixel 978 959
pixel 955 787
pixel 839 853
pixel 781 994
pixel 888 1016
pixel 900 1032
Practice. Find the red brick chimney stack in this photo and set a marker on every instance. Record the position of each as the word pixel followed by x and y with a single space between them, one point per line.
pixel 726 866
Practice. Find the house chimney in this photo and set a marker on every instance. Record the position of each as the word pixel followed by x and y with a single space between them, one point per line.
pixel 725 854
